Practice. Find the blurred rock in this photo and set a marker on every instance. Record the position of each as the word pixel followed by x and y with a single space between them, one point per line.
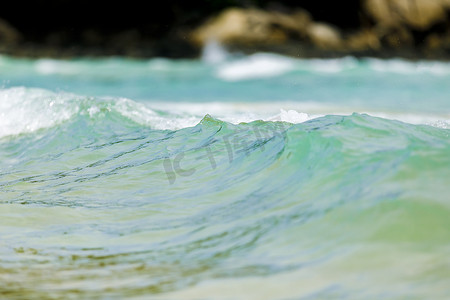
pixel 363 40
pixel 324 36
pixel 417 14
pixel 92 37
pixel 387 28
pixel 258 28
pixel 57 39
pixel 436 42
pixel 8 34
pixel 396 37
pixel 410 25
pixel 252 26
pixel 433 41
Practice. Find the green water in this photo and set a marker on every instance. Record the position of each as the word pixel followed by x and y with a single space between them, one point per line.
pixel 225 196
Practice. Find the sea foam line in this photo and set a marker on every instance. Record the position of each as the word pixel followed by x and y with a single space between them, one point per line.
pixel 24 110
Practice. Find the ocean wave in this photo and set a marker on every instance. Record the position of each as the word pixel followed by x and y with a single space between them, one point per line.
pixel 25 110
pixel 268 65
pixel 203 205
pixel 205 187
pixel 224 65
pixel 265 65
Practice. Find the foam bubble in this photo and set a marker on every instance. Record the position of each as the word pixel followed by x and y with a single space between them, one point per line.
pixel 293 116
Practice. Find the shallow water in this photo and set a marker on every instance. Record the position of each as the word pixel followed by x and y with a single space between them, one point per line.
pixel 246 177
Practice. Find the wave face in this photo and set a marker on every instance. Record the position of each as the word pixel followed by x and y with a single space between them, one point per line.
pixel 113 198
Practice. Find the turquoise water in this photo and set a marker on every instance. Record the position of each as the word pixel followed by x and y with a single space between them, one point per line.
pixel 238 177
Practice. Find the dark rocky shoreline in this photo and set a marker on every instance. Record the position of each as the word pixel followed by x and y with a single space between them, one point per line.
pixel 411 29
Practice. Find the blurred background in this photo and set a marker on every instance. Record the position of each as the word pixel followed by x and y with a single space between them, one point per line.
pixel 180 29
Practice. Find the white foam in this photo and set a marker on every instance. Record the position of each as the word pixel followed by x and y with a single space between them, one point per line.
pixel 265 65
pixel 53 66
pixel 143 114
pixel 93 111
pixel 292 112
pixel 440 121
pixel 159 64
pixel 261 65
pixel 440 124
pixel 335 65
pixel 400 66
pixel 293 116
pixel 25 110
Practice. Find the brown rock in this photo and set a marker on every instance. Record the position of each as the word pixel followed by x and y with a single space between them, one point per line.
pixel 324 36
pixel 8 34
pixel 399 37
pixel 363 40
pixel 438 42
pixel 417 14
pixel 252 26
pixel 433 41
